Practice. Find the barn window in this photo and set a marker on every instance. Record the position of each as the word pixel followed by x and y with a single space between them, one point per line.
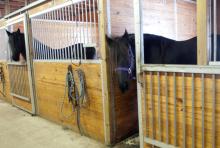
pixel 68 31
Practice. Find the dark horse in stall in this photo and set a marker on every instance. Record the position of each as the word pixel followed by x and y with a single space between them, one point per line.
pixel 17 45
pixel 157 50
pixel 18 50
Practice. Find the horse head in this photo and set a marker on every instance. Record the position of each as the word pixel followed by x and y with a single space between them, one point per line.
pixel 17 45
pixel 121 50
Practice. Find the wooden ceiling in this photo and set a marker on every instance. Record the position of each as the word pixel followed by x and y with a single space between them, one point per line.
pixel 8 6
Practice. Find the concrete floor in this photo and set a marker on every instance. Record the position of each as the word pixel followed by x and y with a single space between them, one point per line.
pixel 20 130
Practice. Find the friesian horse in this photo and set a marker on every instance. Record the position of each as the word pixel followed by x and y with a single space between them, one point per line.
pixel 17 45
pixel 157 50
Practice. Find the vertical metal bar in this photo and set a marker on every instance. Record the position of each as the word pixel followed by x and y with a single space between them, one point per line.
pixel 159 105
pixel 167 109
pixel 145 103
pixel 215 29
pixel 77 32
pixel 63 19
pixel 184 110
pixel 213 110
pixel 48 32
pixel 55 18
pixel 60 42
pixel 74 31
pixel 80 28
pixel 90 21
pixel 67 32
pixel 203 111
pixel 87 33
pixel 193 107
pixel 70 31
pixel 52 19
pixel 83 24
pixel 152 104
pixel 50 26
pixel 174 95
pixel 94 17
pixel 40 36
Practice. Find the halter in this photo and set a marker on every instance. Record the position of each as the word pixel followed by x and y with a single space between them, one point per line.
pixel 131 64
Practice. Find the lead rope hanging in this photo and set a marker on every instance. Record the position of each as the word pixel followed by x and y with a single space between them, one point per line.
pixel 75 98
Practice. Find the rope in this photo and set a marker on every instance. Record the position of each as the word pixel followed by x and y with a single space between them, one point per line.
pixel 76 98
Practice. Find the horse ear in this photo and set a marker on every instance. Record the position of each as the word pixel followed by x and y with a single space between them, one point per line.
pixel 8 33
pixel 108 40
pixel 126 34
pixel 18 31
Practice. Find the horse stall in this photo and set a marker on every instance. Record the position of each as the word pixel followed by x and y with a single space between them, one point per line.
pixel 178 104
pixel 16 78
pixel 58 34
pixel 4 80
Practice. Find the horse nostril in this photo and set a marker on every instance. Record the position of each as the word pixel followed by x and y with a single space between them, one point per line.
pixel 123 87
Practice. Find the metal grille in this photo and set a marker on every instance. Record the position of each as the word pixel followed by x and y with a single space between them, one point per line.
pixel 3 45
pixel 173 95
pixel 66 32
pixel 19 82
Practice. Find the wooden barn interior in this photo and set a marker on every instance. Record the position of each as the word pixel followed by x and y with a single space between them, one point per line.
pixel 167 105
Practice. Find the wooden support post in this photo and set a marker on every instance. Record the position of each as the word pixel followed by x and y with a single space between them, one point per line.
pixel 7 7
pixel 139 61
pixel 105 72
pixel 202 53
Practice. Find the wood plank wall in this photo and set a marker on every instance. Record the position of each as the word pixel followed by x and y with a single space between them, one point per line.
pixel 50 87
pixel 159 18
pixel 179 108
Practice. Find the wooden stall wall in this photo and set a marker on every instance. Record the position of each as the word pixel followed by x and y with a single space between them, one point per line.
pixel 165 18
pixel 152 108
pixel 50 87
pixel 26 105
pixel 5 95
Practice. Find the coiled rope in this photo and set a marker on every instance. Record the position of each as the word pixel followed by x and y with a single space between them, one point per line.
pixel 75 98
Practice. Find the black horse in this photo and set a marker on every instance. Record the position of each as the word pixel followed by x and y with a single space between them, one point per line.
pixel 157 50
pixel 17 45
pixel 76 51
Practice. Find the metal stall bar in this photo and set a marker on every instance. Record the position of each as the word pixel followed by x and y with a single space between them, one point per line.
pixel 87 26
pixel 56 19
pixel 203 111
pixel 66 31
pixel 174 96
pixel 167 108
pixel 80 30
pixel 213 110
pixel 215 29
pixel 90 20
pixel 62 51
pixel 184 110
pixel 94 17
pixel 83 26
pixel 159 105
pixel 77 30
pixel 70 32
pixel 152 105
pixel 145 103
pixel 74 30
pixel 193 105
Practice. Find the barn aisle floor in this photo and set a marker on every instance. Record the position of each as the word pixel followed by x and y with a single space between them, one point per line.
pixel 18 129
